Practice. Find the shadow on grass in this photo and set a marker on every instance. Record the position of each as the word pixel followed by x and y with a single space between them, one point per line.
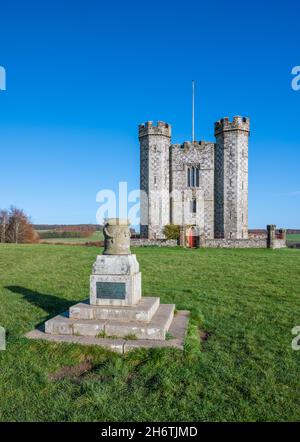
pixel 53 305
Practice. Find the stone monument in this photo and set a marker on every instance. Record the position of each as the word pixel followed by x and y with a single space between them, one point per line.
pixel 116 279
pixel 116 315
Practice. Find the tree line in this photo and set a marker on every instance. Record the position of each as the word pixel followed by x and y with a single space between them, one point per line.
pixel 68 227
pixel 16 227
pixel 66 233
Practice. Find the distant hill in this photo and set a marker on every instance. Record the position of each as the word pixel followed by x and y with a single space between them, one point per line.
pixel 261 231
pixel 68 227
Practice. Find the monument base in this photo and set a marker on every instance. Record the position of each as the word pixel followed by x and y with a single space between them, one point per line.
pixel 126 322
pixel 177 333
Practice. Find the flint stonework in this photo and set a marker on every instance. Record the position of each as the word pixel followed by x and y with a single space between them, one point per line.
pixel 201 184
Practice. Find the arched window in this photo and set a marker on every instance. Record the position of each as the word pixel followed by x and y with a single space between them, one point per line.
pixel 189 177
pixel 193 176
pixel 197 177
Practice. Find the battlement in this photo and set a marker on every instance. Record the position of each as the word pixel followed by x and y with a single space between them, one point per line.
pixel 186 145
pixel 238 123
pixel 149 128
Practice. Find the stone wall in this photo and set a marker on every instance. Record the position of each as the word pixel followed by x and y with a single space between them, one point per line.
pixel 253 243
pixel 236 243
pixel 144 242
pixel 278 244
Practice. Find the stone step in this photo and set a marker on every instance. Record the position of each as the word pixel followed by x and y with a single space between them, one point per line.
pixel 63 325
pixel 143 311
pixel 177 329
pixel 155 329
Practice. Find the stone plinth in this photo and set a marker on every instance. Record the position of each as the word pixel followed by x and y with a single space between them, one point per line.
pixel 115 280
pixel 142 312
pixel 177 330
pixel 120 325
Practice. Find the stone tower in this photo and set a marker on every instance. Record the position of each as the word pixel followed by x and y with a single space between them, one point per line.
pixel 154 178
pixel 231 178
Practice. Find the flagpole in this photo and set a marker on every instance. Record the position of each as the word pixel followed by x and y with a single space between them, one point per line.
pixel 193 111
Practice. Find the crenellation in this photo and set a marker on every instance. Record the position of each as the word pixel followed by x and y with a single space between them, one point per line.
pixel 238 123
pixel 161 129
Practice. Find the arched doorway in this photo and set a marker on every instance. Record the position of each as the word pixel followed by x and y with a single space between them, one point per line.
pixel 192 237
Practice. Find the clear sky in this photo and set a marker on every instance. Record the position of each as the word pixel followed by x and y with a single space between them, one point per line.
pixel 82 74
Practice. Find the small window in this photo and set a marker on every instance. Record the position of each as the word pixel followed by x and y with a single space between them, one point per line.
pixel 197 177
pixel 193 205
pixel 189 177
pixel 154 179
pixel 193 177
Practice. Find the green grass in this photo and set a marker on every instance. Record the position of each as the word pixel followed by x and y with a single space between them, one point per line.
pixel 96 236
pixel 247 300
pixel 294 237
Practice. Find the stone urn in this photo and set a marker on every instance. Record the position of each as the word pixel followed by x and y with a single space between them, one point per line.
pixel 116 237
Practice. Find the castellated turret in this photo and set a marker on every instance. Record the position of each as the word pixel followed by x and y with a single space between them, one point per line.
pixel 155 143
pixel 238 123
pixel 163 129
pixel 231 178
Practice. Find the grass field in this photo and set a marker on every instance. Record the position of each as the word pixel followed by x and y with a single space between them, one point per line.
pixel 247 300
pixel 96 236
pixel 295 237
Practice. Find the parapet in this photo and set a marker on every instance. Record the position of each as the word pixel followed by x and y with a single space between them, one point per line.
pixel 187 145
pixel 149 128
pixel 238 123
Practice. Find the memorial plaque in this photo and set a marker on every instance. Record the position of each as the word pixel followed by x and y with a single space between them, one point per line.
pixel 111 290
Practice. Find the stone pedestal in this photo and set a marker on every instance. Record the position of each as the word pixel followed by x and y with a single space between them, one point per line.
pixel 116 312
pixel 115 280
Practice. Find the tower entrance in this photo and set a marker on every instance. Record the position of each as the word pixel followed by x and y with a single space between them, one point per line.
pixel 192 237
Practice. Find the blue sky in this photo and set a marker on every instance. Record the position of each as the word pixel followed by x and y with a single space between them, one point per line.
pixel 82 74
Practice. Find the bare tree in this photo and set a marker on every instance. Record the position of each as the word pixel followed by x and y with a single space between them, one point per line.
pixel 19 228
pixel 4 220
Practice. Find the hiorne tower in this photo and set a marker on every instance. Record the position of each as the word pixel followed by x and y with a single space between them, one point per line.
pixel 200 185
